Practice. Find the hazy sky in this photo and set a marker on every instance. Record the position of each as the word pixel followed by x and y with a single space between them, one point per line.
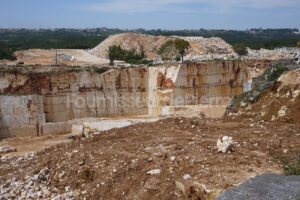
pixel 150 14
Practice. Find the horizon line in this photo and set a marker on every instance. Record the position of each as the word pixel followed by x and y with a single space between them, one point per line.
pixel 145 29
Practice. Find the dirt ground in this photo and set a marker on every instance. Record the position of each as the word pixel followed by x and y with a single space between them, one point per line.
pixel 48 57
pixel 25 145
pixel 114 165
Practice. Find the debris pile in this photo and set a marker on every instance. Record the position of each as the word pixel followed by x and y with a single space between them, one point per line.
pixel 201 48
pixel 128 41
pixel 65 57
pixel 280 102
pixel 114 164
pixel 33 187
pixel 209 49
pixel 280 53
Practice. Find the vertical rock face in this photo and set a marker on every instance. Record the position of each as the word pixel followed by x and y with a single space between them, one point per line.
pixel 115 93
pixel 135 91
pixel 209 83
pixel 20 115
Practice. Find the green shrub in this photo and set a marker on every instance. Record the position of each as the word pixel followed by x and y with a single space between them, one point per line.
pixel 274 73
pixel 174 49
pixel 115 53
pixel 182 47
pixel 6 52
pixel 166 58
pixel 76 70
pixel 177 58
pixel 240 49
pixel 291 163
pixel 167 48
pixel 101 70
pixel 129 56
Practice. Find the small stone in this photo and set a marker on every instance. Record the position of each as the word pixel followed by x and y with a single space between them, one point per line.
pixel 187 176
pixel 46 193
pixel 273 118
pixel 76 193
pixel 81 163
pixel 70 194
pixel 152 172
pixel 225 144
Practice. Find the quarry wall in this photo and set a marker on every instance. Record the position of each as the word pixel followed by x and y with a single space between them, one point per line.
pixel 20 115
pixel 32 99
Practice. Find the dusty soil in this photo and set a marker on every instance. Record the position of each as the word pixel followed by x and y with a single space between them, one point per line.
pixel 48 57
pixel 113 165
pixel 26 145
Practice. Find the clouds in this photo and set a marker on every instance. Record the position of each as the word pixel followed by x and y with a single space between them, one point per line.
pixel 148 6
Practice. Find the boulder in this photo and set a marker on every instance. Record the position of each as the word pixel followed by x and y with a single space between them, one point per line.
pixel 225 144
pixel 268 186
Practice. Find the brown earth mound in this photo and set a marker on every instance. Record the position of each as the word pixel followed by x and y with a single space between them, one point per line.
pixel 114 165
pixel 151 45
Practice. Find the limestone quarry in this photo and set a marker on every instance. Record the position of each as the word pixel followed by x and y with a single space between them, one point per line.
pixel 142 132
pixel 32 97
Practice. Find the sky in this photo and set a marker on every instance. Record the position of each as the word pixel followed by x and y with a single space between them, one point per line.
pixel 150 14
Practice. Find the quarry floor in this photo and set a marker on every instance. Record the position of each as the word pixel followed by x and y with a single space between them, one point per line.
pixel 113 165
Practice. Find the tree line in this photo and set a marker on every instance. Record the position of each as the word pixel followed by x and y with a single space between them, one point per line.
pixel 22 39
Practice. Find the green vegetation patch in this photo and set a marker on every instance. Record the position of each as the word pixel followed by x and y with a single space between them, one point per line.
pixel 291 163
pixel 240 49
pixel 130 56
pixel 173 49
pixel 167 50
pixel 101 70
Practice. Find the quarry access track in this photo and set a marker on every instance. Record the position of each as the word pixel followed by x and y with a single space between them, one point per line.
pixel 114 164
